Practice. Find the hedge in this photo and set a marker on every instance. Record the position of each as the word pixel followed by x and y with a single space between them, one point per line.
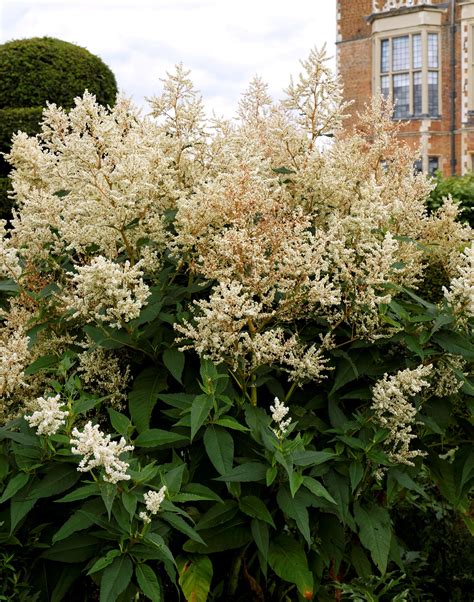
pixel 36 70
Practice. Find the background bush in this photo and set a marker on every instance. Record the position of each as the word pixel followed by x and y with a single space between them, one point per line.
pixel 38 70
pixel 461 188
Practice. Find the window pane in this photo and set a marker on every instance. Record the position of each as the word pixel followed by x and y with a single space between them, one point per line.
pixel 417 166
pixel 385 86
pixel 433 93
pixel 401 95
pixel 417 94
pixel 433 50
pixel 384 56
pixel 400 53
pixel 417 55
pixel 433 165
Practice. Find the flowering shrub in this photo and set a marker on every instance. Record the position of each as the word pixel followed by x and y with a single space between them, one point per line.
pixel 219 374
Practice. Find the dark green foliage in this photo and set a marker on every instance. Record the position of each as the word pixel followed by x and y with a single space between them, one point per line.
pixel 36 70
pixel 461 188
pixel 25 119
pixel 5 202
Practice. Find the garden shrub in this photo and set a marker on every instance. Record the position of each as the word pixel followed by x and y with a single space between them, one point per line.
pixel 12 120
pixel 460 188
pixel 219 380
pixel 35 71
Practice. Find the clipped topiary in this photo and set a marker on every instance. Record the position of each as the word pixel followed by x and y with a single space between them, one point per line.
pixel 36 70
pixel 25 119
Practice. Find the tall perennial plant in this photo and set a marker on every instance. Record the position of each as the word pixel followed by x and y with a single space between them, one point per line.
pixel 220 367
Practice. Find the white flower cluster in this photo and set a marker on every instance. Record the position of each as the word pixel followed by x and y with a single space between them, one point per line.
pixel 14 356
pixel 279 411
pixel 107 291
pixel 99 451
pixel 9 261
pixel 153 501
pixel 49 416
pixel 395 412
pixel 461 292
pixel 102 373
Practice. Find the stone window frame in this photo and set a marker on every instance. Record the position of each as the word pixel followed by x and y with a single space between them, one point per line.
pixel 411 24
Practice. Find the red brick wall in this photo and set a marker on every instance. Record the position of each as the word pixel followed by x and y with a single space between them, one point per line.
pixel 355 67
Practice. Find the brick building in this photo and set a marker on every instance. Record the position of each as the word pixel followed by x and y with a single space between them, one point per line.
pixel 420 53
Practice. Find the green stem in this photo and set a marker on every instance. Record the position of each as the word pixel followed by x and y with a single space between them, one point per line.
pixel 290 392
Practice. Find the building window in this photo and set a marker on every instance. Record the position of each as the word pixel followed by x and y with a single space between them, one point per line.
pixel 433 165
pixel 408 73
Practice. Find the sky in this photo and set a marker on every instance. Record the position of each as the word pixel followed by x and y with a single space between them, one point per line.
pixel 225 43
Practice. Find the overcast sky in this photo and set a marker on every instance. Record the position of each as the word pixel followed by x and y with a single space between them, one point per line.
pixel 224 42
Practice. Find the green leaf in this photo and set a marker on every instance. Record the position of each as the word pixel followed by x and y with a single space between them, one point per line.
pixel 200 409
pixel 60 478
pixel 108 491
pixel 270 475
pixel 104 561
pixel 108 338
pixel 155 540
pixel 283 170
pixel 129 502
pixel 77 548
pixel 220 448
pixel 228 537
pixel 43 362
pixel 8 286
pixel 261 536
pixel 406 481
pixel 318 489
pixel 202 491
pixel 345 373
pixel 254 507
pixel 231 423
pixel 18 510
pixel 157 438
pixel 76 522
pixel 311 458
pixel 22 438
pixel 296 480
pixel 143 396
pixel 295 509
pixel 14 485
pixel 174 361
pixel 338 487
pixel 69 574
pixel 453 342
pixel 288 559
pixel 195 576
pixel 81 493
pixel 356 472
pixel 148 582
pixel 375 532
pixel 218 514
pixel 181 525
pixel 115 579
pixel 245 473
pixel 119 421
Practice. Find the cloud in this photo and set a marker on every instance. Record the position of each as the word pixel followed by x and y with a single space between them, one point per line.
pixel 224 42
